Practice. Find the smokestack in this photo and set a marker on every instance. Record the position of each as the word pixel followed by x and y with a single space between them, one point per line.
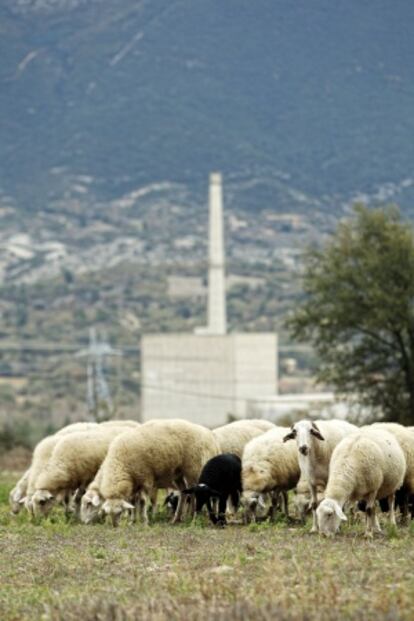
pixel 216 309
pixel 217 322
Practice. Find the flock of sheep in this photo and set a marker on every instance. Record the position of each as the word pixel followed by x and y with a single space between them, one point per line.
pixel 117 467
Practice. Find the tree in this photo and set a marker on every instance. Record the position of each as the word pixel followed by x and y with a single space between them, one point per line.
pixel 358 310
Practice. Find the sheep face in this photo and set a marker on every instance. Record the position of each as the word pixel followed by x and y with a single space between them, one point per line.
pixel 304 432
pixel 171 502
pixel 41 503
pixel 330 516
pixel 91 507
pixel 252 502
pixel 115 507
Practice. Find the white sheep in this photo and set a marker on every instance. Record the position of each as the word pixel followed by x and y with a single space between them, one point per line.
pixel 92 501
pixel 160 454
pixel 405 438
pixel 316 441
pixel 41 454
pixel 233 437
pixel 19 492
pixel 73 464
pixel 366 465
pixel 269 466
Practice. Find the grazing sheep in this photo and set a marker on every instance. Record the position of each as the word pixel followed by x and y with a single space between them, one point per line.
pixel 221 479
pixel 315 442
pixel 19 492
pixel 41 454
pixel 405 438
pixel 233 437
pixel 92 501
pixel 269 465
pixel 160 454
pixel 73 464
pixel 366 465
pixel 302 498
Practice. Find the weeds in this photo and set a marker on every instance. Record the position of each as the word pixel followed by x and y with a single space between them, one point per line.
pixel 55 570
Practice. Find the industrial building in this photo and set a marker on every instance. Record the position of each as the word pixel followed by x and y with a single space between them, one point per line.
pixel 209 376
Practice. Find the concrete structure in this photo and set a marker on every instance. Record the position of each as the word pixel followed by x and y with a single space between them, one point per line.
pixel 216 309
pixel 208 376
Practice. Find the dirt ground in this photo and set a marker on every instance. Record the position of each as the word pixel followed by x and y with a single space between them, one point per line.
pixel 55 570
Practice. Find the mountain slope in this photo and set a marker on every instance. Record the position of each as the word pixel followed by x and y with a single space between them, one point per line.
pixel 133 92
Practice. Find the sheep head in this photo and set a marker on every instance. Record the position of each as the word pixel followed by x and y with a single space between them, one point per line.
pixel 41 503
pixel 330 516
pixel 91 507
pixel 115 507
pixel 303 432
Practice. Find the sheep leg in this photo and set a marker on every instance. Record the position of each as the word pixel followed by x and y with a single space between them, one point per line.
pixel 314 506
pixel 391 504
pixel 274 500
pixel 179 509
pixel 372 523
pixel 222 511
pixel 285 503
pixel 153 502
pixel 211 511
pixel 405 511
pixel 143 509
pixel 235 498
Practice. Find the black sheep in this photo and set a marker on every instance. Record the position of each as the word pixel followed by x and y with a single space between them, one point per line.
pixel 221 479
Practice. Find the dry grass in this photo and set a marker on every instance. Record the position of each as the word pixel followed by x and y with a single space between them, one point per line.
pixel 55 571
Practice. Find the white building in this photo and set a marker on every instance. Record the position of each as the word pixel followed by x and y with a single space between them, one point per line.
pixel 208 376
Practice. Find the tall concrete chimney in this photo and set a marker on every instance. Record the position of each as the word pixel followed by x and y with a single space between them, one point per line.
pixel 217 321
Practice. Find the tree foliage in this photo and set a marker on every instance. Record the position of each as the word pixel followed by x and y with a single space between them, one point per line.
pixel 358 310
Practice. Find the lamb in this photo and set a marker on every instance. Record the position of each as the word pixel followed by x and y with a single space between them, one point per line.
pixel 315 442
pixel 269 465
pixel 160 454
pixel 220 478
pixel 233 437
pixel 73 464
pixel 366 465
pixel 405 438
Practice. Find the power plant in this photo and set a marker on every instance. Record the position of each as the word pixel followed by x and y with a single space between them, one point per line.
pixel 209 376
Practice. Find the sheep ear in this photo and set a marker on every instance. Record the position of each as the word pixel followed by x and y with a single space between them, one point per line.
pixel 127 505
pixel 340 513
pixel 96 501
pixel 290 436
pixel 22 501
pixel 316 432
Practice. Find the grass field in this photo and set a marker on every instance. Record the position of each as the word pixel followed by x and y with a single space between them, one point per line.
pixel 55 570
